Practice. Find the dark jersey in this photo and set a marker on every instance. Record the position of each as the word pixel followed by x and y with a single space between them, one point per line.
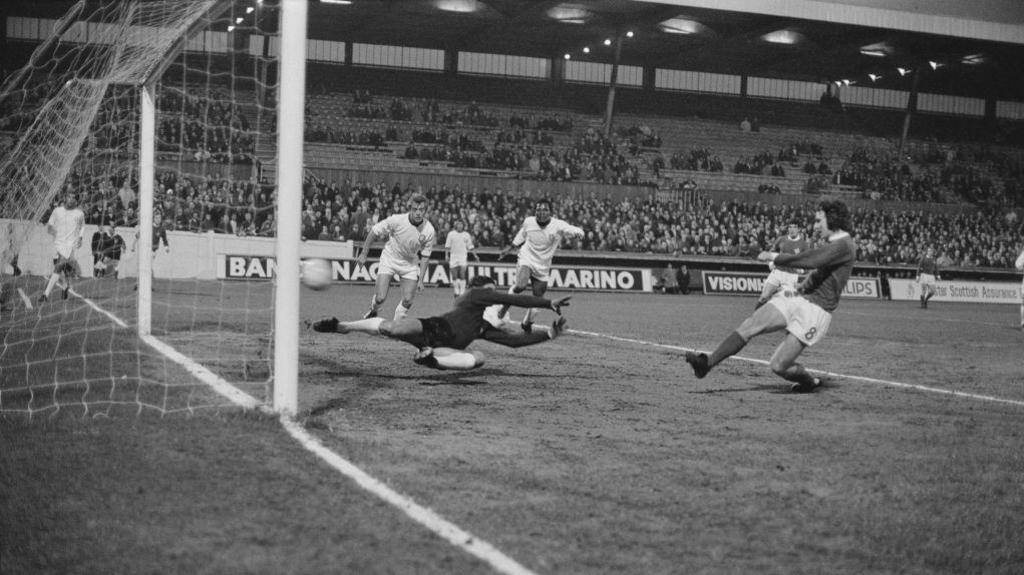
pixel 160 233
pixel 928 266
pixel 467 317
pixel 788 245
pixel 832 263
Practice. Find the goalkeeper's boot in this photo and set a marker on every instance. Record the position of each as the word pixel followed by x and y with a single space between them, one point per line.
pixel 425 357
pixel 64 292
pixel 44 298
pixel 329 325
pixel 527 326
pixel 557 327
pixel 806 386
pixel 699 363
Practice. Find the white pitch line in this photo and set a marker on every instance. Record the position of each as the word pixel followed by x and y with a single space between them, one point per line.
pixel 918 387
pixel 424 516
pixel 92 304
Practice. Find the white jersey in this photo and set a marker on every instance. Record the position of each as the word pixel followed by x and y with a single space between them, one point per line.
pixel 405 241
pixel 459 244
pixel 68 226
pixel 537 245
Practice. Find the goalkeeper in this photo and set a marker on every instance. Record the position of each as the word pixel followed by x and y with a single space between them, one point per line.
pixel 442 340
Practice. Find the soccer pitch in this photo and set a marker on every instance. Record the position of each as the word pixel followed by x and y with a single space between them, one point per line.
pixel 598 452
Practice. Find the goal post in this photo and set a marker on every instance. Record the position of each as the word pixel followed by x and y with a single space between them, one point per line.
pixel 290 136
pixel 155 111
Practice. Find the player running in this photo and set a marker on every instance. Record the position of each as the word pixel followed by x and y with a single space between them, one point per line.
pixel 538 240
pixel 805 314
pixel 442 340
pixel 410 238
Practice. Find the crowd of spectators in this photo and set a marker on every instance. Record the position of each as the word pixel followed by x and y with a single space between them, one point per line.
pixel 340 211
pixel 211 129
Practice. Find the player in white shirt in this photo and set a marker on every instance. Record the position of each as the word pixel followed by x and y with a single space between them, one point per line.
pixel 537 240
pixel 67 226
pixel 459 244
pixel 411 240
pixel 1020 265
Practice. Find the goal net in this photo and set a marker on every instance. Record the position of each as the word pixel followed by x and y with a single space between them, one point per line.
pixel 70 129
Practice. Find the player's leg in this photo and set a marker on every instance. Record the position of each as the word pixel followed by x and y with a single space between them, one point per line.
pixel 53 279
pixel 512 335
pixel 408 286
pixel 380 293
pixel 765 319
pixel 448 358
pixel 784 365
pixel 771 285
pixel 523 275
pixel 539 287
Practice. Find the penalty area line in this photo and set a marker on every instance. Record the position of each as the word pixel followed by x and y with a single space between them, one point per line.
pixel 426 517
pixel 890 383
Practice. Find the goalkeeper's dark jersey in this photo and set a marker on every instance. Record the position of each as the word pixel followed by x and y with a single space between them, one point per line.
pixel 832 263
pixel 467 317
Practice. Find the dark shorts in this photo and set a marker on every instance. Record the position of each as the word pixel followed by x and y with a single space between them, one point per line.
pixel 437 332
pixel 63 265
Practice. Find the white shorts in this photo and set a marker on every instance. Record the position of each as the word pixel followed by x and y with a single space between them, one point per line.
pixel 926 280
pixel 782 279
pixel 537 271
pixel 458 261
pixel 805 320
pixel 398 268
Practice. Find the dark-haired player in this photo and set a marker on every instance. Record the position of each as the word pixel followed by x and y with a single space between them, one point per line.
pixel 537 240
pixel 784 277
pixel 806 313
pixel 442 340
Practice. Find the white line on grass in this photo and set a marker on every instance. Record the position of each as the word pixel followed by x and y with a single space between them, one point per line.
pixel 93 305
pixel 817 371
pixel 424 516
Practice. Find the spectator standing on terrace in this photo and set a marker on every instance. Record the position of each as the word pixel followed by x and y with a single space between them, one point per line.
pixel 458 245
pixel 806 314
pixel 537 241
pixel 784 277
pixel 410 238
pixel 927 274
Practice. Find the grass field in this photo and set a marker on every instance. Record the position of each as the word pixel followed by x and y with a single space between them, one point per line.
pixel 597 453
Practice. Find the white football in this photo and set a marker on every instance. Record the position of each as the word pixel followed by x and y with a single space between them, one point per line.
pixel 316 273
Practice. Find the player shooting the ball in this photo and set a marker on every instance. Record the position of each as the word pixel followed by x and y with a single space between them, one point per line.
pixel 442 340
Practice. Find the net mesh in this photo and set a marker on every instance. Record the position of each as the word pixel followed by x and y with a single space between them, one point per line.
pixel 70 126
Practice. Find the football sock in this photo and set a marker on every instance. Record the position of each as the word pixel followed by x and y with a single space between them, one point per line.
pixel 49 284
pixel 371 325
pixel 732 345
pixel 455 359
pixel 528 318
pixel 400 311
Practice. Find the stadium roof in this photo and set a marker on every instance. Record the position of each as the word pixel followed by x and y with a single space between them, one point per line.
pixel 977 46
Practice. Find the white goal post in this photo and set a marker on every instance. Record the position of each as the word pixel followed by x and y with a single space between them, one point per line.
pixel 125 94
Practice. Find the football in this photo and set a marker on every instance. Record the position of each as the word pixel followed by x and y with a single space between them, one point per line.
pixel 316 273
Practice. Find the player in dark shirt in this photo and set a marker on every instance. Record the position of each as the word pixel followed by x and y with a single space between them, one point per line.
pixel 805 313
pixel 442 340
pixel 927 275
